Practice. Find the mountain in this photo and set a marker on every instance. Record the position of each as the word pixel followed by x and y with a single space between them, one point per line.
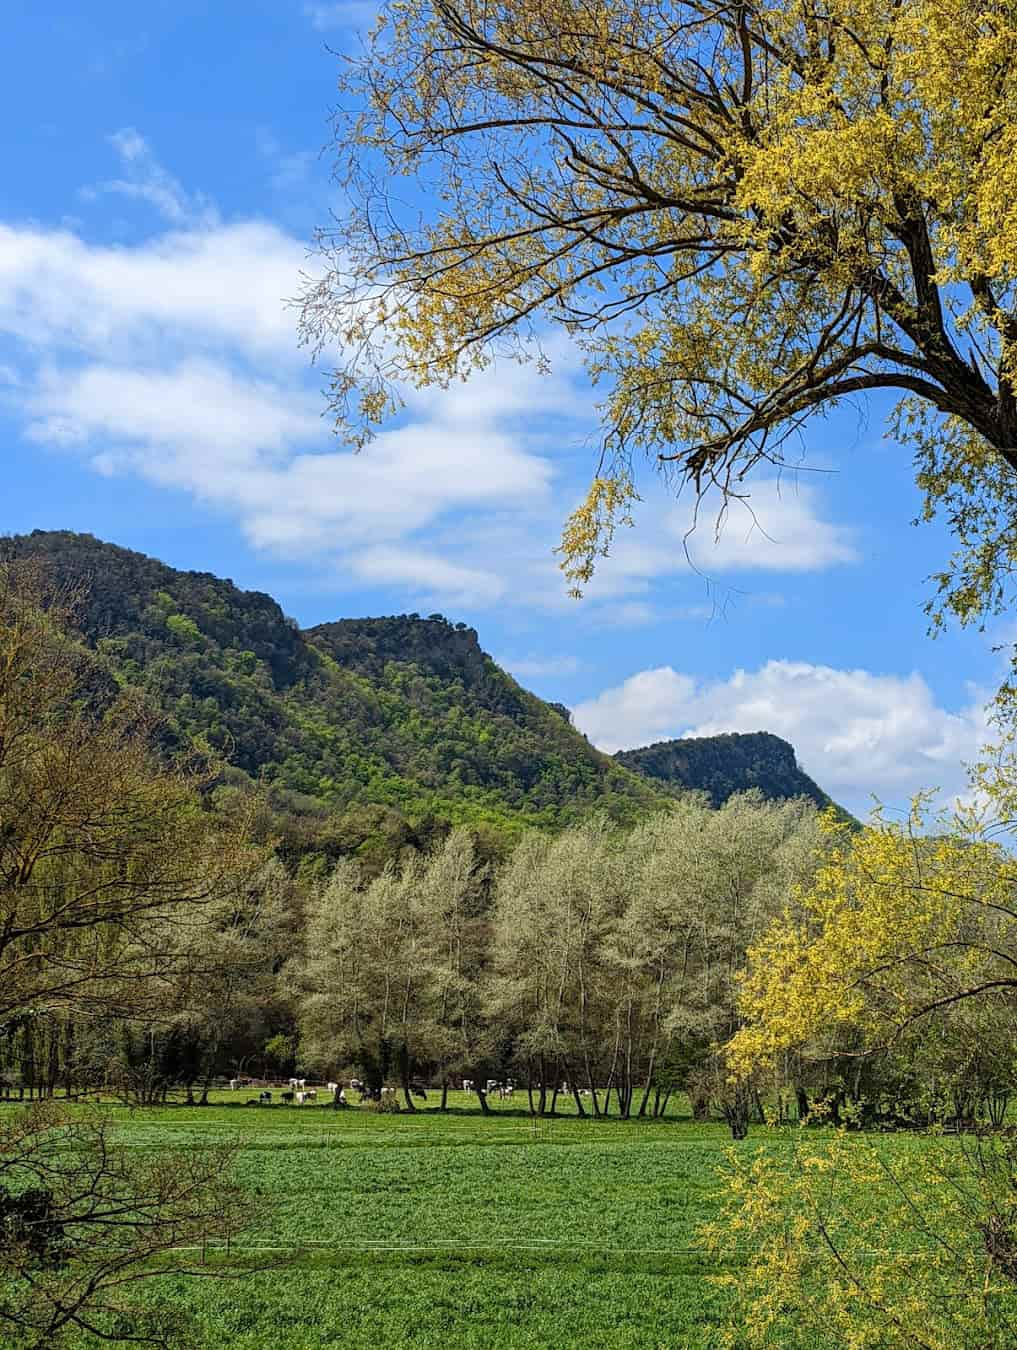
pixel 372 723
pixel 405 713
pixel 724 765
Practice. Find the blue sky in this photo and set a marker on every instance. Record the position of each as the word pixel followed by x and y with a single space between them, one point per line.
pixel 163 177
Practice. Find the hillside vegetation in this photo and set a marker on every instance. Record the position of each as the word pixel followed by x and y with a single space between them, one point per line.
pixel 406 713
pixel 726 764
pixel 379 722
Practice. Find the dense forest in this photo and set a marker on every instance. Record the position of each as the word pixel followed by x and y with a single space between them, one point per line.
pixel 723 765
pixel 372 734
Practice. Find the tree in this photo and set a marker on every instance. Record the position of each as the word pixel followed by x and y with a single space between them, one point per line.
pixel 105 855
pixel 389 974
pixel 900 959
pixel 900 928
pixel 743 213
pixel 108 864
pixel 555 901
pixel 448 899
pixel 84 1219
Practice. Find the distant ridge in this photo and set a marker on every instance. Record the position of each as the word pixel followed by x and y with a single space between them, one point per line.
pixel 725 764
pixel 405 713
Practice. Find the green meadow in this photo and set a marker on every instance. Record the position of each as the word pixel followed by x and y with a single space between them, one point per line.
pixel 455 1230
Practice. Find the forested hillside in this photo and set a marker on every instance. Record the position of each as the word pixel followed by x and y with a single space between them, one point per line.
pixel 726 764
pixel 383 726
pixel 405 713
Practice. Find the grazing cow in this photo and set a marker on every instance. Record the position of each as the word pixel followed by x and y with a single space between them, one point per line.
pixel 332 1087
pixel 356 1085
pixel 584 1092
pixel 286 1097
pixel 311 1095
pixel 418 1090
pixel 264 1098
pixel 301 1098
pixel 492 1085
pixel 252 1101
pixel 467 1084
pixel 341 1096
pixel 506 1090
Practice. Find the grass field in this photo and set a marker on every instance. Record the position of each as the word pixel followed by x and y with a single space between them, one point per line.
pixel 455 1230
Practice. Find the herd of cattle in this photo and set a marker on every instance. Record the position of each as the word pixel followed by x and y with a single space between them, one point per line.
pixel 298 1092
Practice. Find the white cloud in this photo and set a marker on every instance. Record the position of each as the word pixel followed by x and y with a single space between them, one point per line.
pixel 428 575
pixel 188 291
pixel 177 359
pixel 145 179
pixel 779 528
pixel 856 732
pixel 248 444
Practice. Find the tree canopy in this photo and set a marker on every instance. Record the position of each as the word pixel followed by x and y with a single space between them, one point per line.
pixel 743 213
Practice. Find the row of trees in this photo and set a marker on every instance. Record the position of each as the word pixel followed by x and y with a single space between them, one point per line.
pixel 602 959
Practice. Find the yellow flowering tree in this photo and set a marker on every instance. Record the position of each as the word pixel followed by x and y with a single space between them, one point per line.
pixel 901 957
pixel 848 1243
pixel 743 212
pixel 901 929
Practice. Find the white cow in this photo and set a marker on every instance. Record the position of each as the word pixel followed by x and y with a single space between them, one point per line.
pixel 467 1084
pixel 332 1087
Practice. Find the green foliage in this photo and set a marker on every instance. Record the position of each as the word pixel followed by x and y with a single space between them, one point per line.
pixel 442 1231
pixel 404 717
pixel 723 765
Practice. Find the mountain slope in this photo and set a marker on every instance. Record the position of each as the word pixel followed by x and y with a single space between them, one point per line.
pixel 726 764
pixel 403 712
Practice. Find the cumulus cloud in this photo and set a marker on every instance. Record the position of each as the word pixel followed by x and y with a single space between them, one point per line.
pixel 856 732
pixel 176 359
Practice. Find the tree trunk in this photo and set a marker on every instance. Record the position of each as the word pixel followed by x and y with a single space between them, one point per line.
pixel 404 1076
pixel 444 1094
pixel 580 1108
pixel 648 1085
pixel 593 1091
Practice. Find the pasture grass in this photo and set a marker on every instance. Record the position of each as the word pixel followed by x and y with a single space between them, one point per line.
pixel 455 1230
